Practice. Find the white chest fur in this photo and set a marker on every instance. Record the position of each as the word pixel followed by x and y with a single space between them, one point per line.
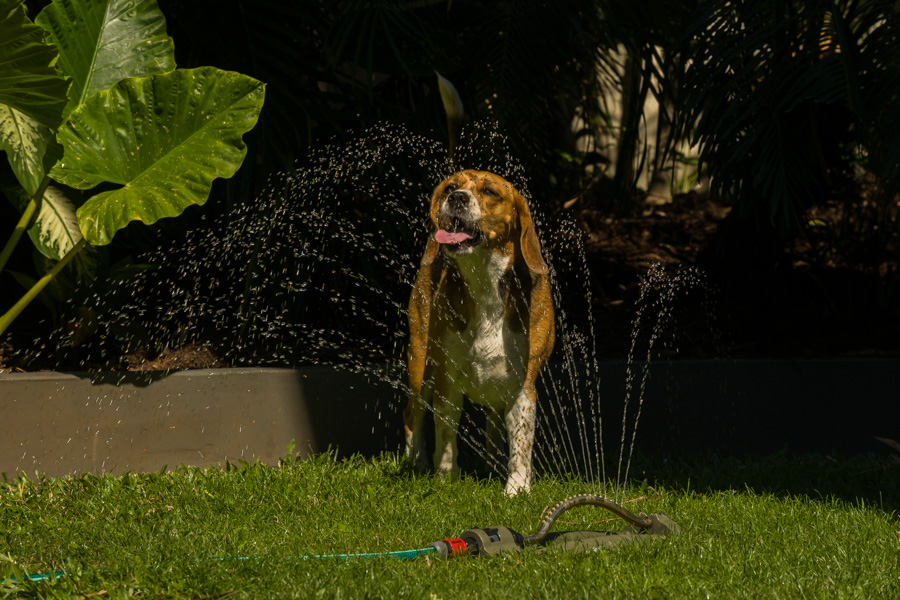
pixel 486 359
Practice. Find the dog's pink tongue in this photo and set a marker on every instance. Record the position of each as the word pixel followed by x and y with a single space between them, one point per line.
pixel 446 237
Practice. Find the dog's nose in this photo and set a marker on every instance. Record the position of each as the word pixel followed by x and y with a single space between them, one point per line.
pixel 458 202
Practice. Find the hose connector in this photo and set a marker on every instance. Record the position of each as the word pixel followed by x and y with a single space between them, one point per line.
pixel 450 548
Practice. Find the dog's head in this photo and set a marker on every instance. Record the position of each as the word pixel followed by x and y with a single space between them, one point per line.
pixel 478 209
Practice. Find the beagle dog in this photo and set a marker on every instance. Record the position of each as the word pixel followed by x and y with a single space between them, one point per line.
pixel 481 322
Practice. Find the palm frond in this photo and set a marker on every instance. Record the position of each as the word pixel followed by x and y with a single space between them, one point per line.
pixel 759 75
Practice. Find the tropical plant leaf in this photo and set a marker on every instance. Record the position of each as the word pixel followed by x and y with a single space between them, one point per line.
pixel 25 141
pixel 29 80
pixel 55 229
pixel 31 147
pixel 164 139
pixel 102 42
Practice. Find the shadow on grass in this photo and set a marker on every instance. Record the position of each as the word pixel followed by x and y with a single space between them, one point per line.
pixel 871 479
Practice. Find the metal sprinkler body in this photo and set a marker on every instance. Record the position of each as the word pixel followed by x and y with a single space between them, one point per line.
pixel 493 541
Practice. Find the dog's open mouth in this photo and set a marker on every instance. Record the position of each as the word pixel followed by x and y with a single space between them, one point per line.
pixel 458 234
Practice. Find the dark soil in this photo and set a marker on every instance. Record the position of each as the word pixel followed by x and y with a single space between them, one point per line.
pixel 187 357
pixel 830 293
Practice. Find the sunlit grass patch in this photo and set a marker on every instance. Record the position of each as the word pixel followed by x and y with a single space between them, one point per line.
pixel 160 534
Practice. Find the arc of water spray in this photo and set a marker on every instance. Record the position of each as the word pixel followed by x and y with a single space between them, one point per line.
pixel 568 446
pixel 668 287
pixel 646 285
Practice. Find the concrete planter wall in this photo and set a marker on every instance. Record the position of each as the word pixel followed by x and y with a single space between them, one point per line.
pixel 61 423
pixel 58 423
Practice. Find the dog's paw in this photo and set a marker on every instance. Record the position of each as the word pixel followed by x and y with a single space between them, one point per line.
pixel 517 485
pixel 447 473
pixel 416 461
pixel 419 466
pixel 515 491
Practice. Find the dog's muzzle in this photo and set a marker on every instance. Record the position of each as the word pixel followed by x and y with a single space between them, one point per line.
pixel 457 228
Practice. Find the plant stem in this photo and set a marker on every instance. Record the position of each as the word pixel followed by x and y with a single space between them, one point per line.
pixel 36 289
pixel 30 210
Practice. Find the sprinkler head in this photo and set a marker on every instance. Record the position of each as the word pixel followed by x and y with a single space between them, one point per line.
pixel 493 541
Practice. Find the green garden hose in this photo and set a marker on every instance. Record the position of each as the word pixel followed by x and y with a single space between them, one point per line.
pixel 397 554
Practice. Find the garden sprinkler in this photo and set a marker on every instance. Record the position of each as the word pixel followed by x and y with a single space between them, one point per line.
pixel 491 541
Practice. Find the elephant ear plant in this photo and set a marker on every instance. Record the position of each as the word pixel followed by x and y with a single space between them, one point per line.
pixel 89 94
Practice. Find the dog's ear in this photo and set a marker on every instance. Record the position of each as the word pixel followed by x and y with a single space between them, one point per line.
pixel 424 287
pixel 420 313
pixel 528 241
pixel 432 250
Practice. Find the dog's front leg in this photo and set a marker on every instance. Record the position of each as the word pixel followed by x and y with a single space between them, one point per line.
pixel 448 402
pixel 520 424
pixel 413 419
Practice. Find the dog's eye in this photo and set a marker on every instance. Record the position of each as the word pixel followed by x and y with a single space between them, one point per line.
pixel 452 187
pixel 489 192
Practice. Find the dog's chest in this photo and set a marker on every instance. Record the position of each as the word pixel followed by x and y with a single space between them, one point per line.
pixel 487 357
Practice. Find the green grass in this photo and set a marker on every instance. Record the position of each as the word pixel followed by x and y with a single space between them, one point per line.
pixel 809 527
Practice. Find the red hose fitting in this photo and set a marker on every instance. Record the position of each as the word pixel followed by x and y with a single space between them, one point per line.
pixel 451 548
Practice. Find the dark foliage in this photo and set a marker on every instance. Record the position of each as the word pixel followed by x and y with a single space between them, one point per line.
pixel 790 101
pixel 783 95
pixel 337 66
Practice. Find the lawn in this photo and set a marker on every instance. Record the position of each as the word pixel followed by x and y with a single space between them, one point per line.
pixel 773 527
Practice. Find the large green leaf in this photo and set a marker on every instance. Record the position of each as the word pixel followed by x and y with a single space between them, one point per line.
pixel 29 80
pixel 55 228
pixel 102 42
pixel 25 141
pixel 163 138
